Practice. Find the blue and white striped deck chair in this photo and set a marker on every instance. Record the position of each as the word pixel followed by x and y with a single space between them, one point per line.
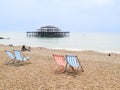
pixel 73 61
pixel 11 56
pixel 20 57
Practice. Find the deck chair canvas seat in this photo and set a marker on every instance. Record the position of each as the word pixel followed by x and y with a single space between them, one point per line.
pixel 11 55
pixel 73 62
pixel 19 57
pixel 61 62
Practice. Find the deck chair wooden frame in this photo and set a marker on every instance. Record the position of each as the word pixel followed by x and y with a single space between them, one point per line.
pixel 73 62
pixel 61 62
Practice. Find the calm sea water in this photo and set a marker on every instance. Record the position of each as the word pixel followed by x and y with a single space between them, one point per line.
pixel 102 42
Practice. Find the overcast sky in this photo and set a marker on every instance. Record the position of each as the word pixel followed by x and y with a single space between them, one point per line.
pixel 69 15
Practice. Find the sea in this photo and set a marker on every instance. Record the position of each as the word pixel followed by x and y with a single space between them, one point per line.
pixel 93 41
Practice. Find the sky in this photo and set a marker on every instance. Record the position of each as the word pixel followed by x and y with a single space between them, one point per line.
pixel 68 15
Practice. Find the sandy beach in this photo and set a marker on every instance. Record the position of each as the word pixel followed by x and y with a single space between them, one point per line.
pixel 101 72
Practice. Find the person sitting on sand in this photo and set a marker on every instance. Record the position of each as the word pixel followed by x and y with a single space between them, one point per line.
pixel 25 49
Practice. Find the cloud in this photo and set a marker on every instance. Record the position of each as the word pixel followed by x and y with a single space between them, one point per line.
pixel 77 5
pixel 103 1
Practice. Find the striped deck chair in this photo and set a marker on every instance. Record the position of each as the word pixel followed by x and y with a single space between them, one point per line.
pixel 73 62
pixel 11 56
pixel 60 60
pixel 19 57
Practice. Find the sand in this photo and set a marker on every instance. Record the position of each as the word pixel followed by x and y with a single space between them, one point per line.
pixel 101 72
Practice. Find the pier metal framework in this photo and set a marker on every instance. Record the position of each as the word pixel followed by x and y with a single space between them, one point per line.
pixel 48 31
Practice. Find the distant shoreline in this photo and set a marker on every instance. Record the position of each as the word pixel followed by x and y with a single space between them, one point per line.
pixel 111 53
pixel 2 38
pixel 69 49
